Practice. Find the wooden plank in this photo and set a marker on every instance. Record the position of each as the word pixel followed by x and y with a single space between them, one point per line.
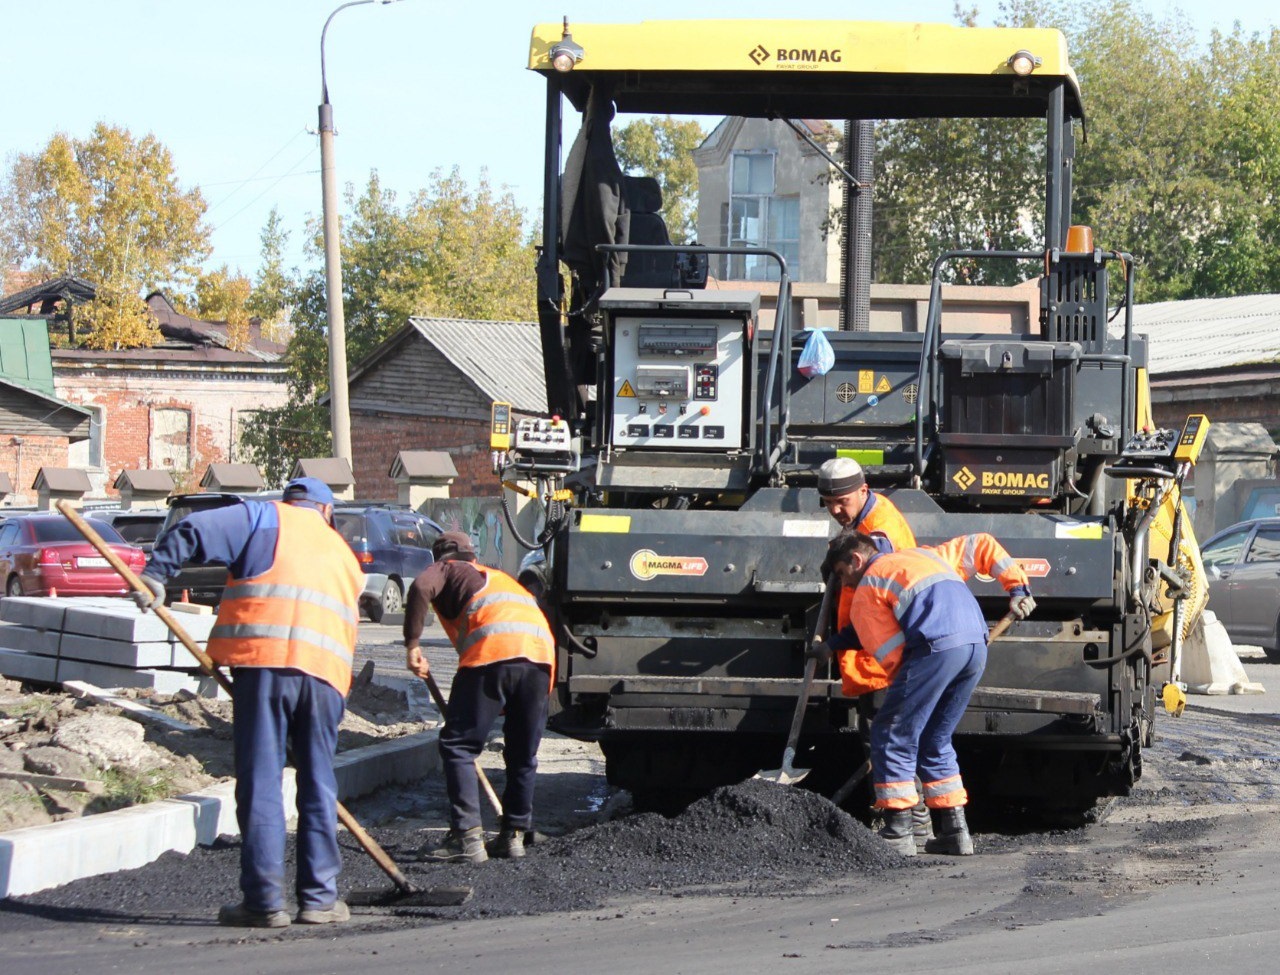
pixel 133 709
pixel 58 783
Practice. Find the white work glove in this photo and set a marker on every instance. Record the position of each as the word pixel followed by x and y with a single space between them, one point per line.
pixel 1020 607
pixel 146 600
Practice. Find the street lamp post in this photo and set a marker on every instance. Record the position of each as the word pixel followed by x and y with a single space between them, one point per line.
pixel 339 410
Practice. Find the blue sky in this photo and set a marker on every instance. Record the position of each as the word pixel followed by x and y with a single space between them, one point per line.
pixel 232 87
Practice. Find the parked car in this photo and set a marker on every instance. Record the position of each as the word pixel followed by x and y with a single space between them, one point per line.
pixel 199 582
pixel 1242 565
pixel 137 526
pixel 42 552
pixel 390 540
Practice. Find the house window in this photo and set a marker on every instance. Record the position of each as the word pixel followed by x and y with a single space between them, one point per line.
pixel 171 439
pixel 760 218
pixel 244 418
pixel 88 453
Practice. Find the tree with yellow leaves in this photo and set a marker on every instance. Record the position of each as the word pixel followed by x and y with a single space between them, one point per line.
pixel 107 209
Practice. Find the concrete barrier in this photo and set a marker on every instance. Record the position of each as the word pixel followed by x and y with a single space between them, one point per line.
pixel 39 857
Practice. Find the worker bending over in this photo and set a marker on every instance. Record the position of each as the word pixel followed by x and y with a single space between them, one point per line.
pixel 286 627
pixel 506 663
pixel 920 632
pixel 843 491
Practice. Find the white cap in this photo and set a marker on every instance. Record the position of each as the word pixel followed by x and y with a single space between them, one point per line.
pixel 840 476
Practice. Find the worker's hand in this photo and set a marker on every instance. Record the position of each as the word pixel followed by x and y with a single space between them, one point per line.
pixel 154 597
pixel 416 662
pixel 818 650
pixel 1020 607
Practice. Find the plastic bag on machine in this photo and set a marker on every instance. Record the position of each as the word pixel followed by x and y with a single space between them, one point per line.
pixel 817 357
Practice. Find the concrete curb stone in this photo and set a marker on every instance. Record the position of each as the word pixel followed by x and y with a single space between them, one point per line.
pixel 39 857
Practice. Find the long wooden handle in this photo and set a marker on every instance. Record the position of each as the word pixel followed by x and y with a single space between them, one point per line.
pixel 209 667
pixel 485 784
pixel 1000 627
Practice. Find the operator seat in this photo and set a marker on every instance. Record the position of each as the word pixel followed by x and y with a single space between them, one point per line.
pixel 644 199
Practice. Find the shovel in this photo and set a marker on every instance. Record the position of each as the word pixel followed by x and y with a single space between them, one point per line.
pixel 406 892
pixel 485 784
pixel 789 774
pixel 863 770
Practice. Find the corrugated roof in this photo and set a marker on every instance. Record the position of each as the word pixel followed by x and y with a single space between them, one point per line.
pixel 503 358
pixel 1200 334
pixel 24 353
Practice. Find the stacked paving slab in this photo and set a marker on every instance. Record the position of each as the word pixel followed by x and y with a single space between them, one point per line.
pixel 101 641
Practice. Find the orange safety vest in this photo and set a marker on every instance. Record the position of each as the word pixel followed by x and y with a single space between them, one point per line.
pixel 904 575
pixel 302 612
pixel 502 621
pixel 885 518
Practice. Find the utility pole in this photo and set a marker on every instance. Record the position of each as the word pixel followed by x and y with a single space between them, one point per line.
pixel 339 408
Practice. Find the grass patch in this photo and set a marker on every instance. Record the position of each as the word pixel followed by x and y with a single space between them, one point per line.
pixel 127 788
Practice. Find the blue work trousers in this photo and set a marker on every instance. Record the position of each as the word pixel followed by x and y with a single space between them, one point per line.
pixel 479 695
pixel 274 709
pixel 911 733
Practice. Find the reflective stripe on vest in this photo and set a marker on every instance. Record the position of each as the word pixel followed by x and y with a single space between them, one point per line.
pixel 502 621
pixel 299 614
pixel 298 594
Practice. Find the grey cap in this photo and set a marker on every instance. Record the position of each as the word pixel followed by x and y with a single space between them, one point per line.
pixel 840 476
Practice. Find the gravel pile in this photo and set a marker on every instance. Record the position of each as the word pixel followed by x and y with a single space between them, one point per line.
pixel 750 839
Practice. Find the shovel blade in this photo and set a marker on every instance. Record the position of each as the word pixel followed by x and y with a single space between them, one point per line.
pixel 417 897
pixel 783 776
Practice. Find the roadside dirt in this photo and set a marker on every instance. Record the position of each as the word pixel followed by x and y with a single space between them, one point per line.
pixel 49 733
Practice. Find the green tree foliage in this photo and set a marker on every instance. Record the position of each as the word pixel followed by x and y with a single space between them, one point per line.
pixel 108 209
pixel 271 299
pixel 958 184
pixel 452 251
pixel 663 147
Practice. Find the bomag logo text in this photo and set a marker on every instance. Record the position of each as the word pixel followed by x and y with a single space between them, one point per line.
pixel 809 55
pixel 1020 480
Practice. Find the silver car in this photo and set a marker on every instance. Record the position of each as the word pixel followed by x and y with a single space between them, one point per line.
pixel 1242 564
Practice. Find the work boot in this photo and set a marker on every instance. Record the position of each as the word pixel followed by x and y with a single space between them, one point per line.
pixel 951 833
pixel 921 822
pixel 337 911
pixel 239 916
pixel 460 846
pixel 898 831
pixel 508 844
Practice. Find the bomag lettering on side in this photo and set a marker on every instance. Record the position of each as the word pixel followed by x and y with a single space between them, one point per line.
pixel 681 424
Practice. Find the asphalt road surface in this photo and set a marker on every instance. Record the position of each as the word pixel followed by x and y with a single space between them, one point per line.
pixel 1180 875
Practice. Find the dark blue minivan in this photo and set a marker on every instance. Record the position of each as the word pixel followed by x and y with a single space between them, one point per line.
pixel 390 540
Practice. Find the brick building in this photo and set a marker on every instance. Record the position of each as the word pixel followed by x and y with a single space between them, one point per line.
pixel 178 406
pixel 430 387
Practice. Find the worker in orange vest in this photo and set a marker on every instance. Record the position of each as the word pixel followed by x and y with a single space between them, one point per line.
pixel 506 661
pixel 844 492
pixel 286 627
pixel 921 634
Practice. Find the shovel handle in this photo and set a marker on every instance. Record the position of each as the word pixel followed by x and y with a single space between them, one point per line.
pixel 370 846
pixel 485 784
pixel 999 628
pixel 810 667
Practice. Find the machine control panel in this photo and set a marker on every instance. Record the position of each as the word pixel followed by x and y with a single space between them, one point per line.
pixel 543 444
pixel 500 426
pixel 1169 445
pixel 678 382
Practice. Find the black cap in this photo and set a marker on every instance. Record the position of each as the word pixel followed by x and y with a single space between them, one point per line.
pixel 453 545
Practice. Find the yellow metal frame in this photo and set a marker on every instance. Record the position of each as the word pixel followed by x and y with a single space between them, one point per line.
pixel 850 47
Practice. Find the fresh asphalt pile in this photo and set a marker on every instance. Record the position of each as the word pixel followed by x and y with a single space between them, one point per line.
pixel 754 838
